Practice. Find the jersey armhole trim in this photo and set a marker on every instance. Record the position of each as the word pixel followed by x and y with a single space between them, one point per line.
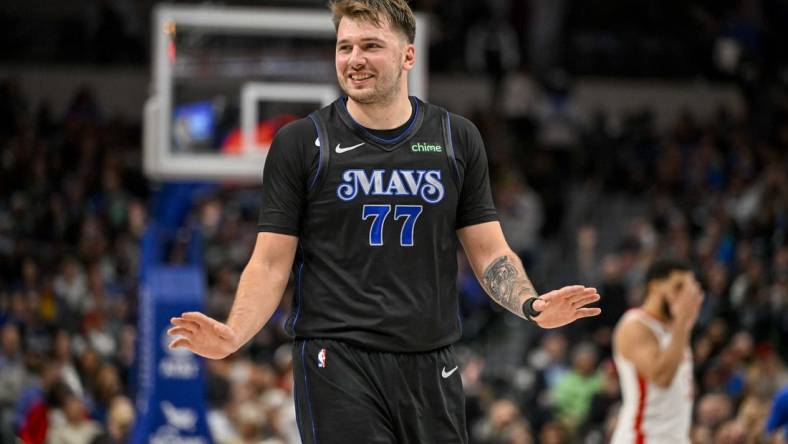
pixel 324 151
pixel 450 149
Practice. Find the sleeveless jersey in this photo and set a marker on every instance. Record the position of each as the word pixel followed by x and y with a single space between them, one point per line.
pixel 650 414
pixel 376 264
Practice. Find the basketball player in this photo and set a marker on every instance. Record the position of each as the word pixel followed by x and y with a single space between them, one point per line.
pixel 652 354
pixel 365 200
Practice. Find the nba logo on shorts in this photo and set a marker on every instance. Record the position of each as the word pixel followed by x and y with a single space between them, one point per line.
pixel 321 358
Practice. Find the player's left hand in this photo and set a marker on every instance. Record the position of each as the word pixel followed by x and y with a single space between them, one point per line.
pixel 565 305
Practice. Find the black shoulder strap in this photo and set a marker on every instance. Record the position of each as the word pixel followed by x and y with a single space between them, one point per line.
pixel 446 120
pixel 325 152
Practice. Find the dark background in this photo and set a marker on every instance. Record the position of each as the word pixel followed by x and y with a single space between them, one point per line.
pixel 585 195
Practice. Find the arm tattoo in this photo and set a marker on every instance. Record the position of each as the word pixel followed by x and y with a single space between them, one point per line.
pixel 507 285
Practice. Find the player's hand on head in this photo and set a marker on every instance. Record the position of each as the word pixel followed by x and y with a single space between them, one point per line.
pixel 565 305
pixel 686 304
pixel 202 335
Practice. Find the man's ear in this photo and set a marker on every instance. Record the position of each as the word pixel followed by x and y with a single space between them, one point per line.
pixel 656 287
pixel 650 287
pixel 410 57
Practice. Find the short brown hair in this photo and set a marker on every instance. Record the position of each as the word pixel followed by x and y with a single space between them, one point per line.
pixel 398 12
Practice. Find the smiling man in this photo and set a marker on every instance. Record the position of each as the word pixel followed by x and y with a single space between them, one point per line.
pixel 367 200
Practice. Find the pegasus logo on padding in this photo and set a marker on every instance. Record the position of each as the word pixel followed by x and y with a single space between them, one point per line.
pixel 180 418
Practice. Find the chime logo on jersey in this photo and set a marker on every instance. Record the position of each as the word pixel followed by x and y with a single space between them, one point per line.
pixel 426 148
pixel 426 184
pixel 321 358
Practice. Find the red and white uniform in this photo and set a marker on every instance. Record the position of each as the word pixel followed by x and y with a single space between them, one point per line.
pixel 650 414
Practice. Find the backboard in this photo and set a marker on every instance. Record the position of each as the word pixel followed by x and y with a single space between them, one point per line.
pixel 225 79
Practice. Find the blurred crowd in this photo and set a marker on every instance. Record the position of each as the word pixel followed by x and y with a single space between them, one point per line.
pixel 735 39
pixel 581 200
pixel 71 215
pixel 595 202
pixel 594 208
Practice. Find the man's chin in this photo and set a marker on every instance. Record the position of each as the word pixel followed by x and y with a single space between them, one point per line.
pixel 363 97
pixel 369 95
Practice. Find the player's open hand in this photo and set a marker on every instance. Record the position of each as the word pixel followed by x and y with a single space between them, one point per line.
pixel 565 305
pixel 202 335
pixel 684 304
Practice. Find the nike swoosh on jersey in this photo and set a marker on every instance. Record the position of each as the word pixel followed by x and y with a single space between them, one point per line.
pixel 341 150
pixel 446 374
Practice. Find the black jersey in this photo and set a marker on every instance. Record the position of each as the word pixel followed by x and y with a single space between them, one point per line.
pixel 376 219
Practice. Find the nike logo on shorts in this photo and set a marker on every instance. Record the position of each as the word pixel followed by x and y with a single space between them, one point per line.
pixel 341 150
pixel 446 374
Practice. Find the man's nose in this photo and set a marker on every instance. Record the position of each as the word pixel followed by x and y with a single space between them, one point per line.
pixel 357 58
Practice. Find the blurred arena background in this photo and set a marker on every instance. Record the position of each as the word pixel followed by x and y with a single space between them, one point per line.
pixel 617 131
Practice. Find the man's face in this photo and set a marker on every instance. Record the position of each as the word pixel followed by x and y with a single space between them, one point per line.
pixel 673 287
pixel 371 60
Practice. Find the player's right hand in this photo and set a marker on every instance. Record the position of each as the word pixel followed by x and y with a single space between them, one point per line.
pixel 685 305
pixel 202 335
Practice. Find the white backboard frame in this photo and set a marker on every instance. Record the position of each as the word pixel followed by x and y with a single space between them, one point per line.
pixel 160 163
pixel 254 92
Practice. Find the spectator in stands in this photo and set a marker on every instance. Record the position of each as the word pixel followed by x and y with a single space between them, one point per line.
pixel 40 406
pixel 602 404
pixel 549 361
pixel 752 415
pixel 105 391
pixel 62 356
pixel 574 391
pixel 119 423
pixel 503 424
pixel 13 377
pixel 713 410
pixel 251 420
pixel 554 433
pixel 521 215
pixel 77 428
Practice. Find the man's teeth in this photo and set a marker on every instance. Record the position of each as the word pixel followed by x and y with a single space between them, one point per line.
pixel 360 76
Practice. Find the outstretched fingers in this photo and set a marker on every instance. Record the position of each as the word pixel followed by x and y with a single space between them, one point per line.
pixel 181 342
pixel 198 318
pixel 180 331
pixel 585 299
pixel 571 290
pixel 195 316
pixel 564 293
pixel 185 324
pixel 587 312
pixel 185 328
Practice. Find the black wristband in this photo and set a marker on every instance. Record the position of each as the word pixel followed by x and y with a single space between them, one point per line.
pixel 528 308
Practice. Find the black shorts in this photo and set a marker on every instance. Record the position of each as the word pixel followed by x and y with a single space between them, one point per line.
pixel 345 394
